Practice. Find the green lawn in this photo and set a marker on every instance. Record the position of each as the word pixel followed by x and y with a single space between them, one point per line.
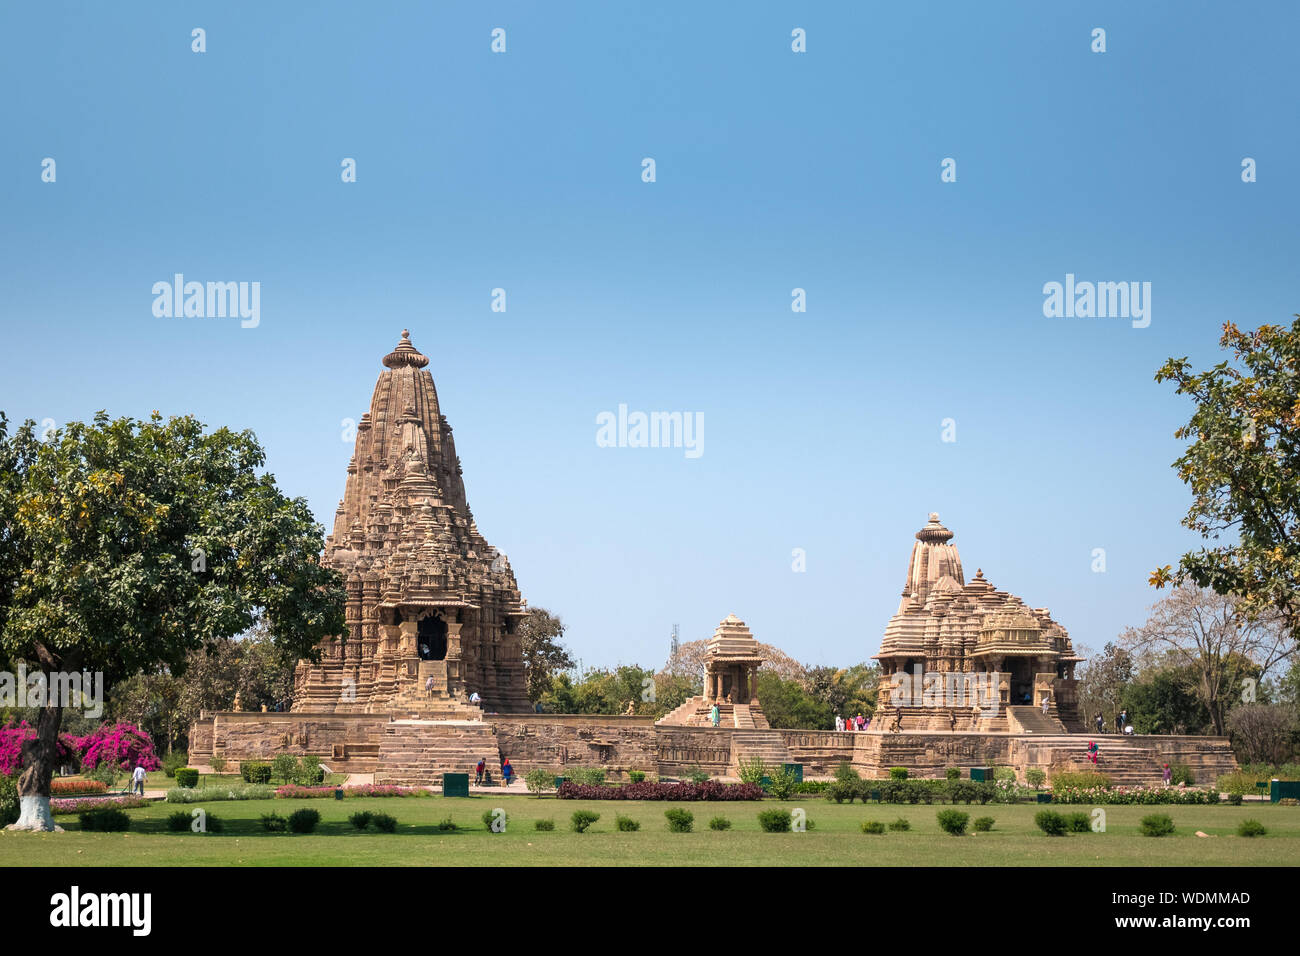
pixel 835 839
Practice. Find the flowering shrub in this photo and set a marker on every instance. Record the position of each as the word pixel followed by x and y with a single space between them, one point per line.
pixel 121 745
pixel 1135 795
pixel 12 738
pixel 294 792
pixel 68 788
pixel 94 803
pixel 710 790
pixel 382 790
pixel 251 791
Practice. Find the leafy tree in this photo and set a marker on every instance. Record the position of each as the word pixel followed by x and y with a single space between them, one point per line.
pixel 846 690
pixel 1102 680
pixel 127 544
pixel 1243 467
pixel 788 706
pixel 1165 702
pixel 544 655
pixel 1216 640
pixel 1265 733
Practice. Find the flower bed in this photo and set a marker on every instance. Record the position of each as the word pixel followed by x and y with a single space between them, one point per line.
pixel 73 788
pixel 95 803
pixel 709 790
pixel 1135 795
pixel 250 791
pixel 294 792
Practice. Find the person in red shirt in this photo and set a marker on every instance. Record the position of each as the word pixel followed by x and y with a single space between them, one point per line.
pixel 478 771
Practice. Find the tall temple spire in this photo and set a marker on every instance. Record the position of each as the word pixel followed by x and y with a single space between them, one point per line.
pixel 933 559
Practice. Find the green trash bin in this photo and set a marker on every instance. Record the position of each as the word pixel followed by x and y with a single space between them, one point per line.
pixel 559 781
pixel 981 774
pixel 794 768
pixel 1044 797
pixel 455 785
pixel 875 795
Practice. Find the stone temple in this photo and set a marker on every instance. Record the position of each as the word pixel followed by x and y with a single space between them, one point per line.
pixel 946 626
pixel 433 610
pixel 434 614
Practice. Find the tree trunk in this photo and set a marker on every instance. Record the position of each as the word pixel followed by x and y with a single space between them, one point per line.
pixel 39 757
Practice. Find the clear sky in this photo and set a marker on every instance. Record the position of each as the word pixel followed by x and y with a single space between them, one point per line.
pixel 775 170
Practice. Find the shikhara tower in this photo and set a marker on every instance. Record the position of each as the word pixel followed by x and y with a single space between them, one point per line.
pixel 433 610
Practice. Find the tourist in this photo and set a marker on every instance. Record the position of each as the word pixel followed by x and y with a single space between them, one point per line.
pixel 507 771
pixel 137 780
pixel 1167 775
pixel 898 717
pixel 715 715
pixel 1045 702
pixel 1122 721
pixel 859 722
pixel 1100 725
pixel 428 685
pixel 474 698
pixel 478 771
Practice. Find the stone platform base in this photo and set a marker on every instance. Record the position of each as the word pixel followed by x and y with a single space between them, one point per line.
pixel 418 752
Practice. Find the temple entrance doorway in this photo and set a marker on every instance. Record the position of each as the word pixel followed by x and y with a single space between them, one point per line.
pixel 431 638
pixel 1021 680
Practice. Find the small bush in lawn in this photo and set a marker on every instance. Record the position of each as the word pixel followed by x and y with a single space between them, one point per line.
pixel 679 820
pixel 719 823
pixel 186 776
pixel 179 821
pixel 897 773
pixel 783 784
pixel 953 821
pixel 309 772
pixel 636 776
pixel 274 823
pixel 304 820
pixel 983 824
pixel 255 771
pixel 213 824
pixel 872 826
pixel 1078 823
pixel 384 822
pixel 1234 799
pixel 1251 828
pixel 547 825
pixel 447 825
pixel 1157 825
pixel 952 773
pixel 360 819
pixel 539 779
pixel 774 821
pixel 1036 777
pixel 105 820
pixel 1051 822
pixel 900 825
pixel 626 824
pixel 495 820
pixel 582 819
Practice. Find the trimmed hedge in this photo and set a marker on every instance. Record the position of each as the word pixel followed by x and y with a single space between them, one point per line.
pixel 710 790
pixel 1157 825
pixel 186 777
pixel 255 771
pixel 1136 795
pixel 679 820
pixel 304 820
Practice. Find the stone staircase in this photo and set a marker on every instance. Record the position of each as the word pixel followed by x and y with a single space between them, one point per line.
pixel 419 752
pixel 769 745
pixel 1031 720
pixel 1129 761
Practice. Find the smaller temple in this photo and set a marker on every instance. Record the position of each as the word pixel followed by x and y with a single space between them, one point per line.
pixel 980 636
pixel 730 682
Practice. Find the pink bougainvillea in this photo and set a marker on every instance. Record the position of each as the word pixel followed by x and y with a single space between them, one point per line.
pixel 121 745
pixel 12 737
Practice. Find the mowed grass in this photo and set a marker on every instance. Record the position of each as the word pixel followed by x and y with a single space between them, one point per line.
pixel 835 840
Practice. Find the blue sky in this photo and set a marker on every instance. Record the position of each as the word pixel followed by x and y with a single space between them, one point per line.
pixel 775 170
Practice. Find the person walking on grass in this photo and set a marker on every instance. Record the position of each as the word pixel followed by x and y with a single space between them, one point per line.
pixel 137 780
